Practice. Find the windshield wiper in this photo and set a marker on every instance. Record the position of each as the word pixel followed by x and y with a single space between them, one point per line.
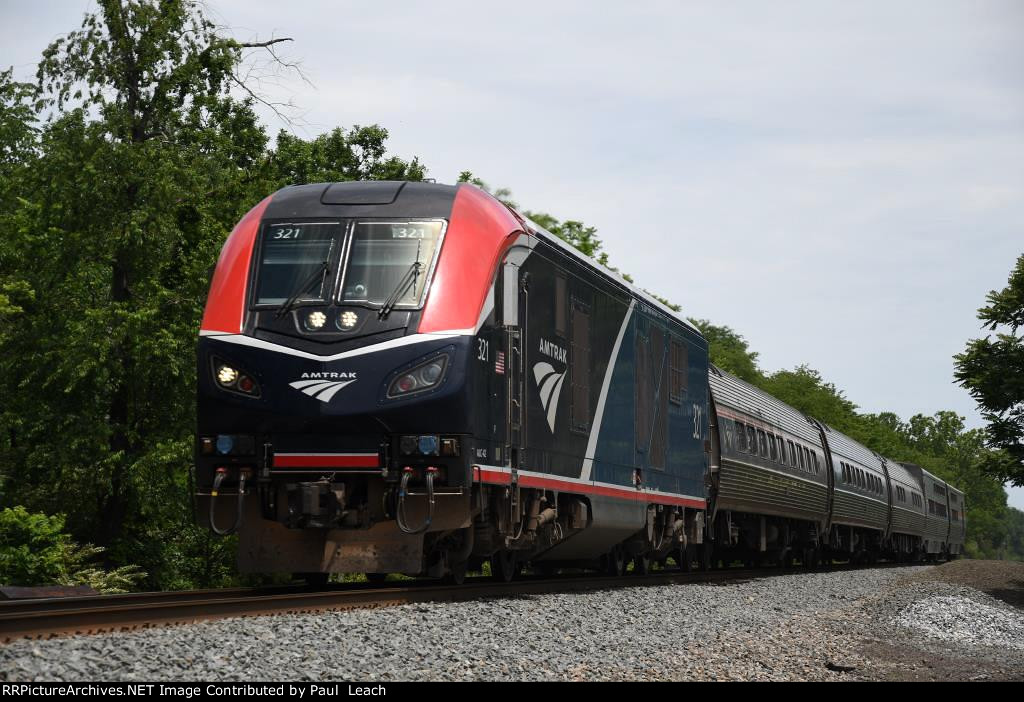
pixel 318 274
pixel 408 279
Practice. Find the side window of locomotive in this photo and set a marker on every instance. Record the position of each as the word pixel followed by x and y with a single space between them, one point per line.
pixel 752 439
pixel 677 365
pixel 800 457
pixel 291 255
pixel 762 443
pixel 390 261
pixel 814 459
pixel 772 448
pixel 807 459
pixel 792 454
pixel 782 451
pixel 580 343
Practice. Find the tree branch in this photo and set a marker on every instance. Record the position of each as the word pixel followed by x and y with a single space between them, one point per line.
pixel 263 44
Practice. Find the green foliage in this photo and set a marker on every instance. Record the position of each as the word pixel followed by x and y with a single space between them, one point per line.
pixel 730 351
pixel 1014 545
pixel 35 550
pixel 356 154
pixel 805 389
pixel 992 370
pixel 114 209
pixel 17 144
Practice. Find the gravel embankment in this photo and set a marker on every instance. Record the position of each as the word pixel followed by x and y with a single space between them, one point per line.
pixel 823 626
pixel 957 621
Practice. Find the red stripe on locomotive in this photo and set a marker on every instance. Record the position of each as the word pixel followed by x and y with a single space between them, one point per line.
pixel 340 460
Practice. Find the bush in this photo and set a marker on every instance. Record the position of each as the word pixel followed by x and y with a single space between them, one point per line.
pixel 35 550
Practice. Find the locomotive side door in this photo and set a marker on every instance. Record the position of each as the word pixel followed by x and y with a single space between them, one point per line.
pixel 513 316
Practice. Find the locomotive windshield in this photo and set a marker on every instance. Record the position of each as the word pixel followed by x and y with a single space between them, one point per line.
pixel 291 254
pixel 389 262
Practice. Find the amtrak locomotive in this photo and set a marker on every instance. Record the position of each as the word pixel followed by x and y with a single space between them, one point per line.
pixel 411 377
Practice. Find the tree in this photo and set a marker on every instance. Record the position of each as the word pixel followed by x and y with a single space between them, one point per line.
pixel 992 370
pixel 17 149
pixel 114 210
pixel 359 153
pixel 35 550
pixel 730 351
pixel 142 167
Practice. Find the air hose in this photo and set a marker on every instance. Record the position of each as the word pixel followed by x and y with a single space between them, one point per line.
pixel 221 474
pixel 403 491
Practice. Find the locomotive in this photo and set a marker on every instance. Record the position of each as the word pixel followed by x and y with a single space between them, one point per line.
pixel 408 377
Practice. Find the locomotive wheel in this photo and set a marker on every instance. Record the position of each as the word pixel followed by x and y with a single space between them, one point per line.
pixel 376 578
pixel 615 562
pixel 642 565
pixel 504 565
pixel 456 573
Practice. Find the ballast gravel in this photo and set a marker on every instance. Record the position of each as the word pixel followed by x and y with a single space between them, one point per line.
pixel 788 627
pixel 963 620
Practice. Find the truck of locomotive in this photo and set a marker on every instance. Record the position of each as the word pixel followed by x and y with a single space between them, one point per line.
pixel 556 415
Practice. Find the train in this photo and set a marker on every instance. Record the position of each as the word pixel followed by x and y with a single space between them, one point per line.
pixel 411 377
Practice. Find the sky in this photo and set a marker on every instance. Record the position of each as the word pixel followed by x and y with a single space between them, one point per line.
pixel 841 183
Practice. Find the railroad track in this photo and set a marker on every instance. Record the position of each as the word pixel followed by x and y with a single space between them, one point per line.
pixel 48 617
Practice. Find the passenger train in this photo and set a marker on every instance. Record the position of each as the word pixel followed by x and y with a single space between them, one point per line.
pixel 407 377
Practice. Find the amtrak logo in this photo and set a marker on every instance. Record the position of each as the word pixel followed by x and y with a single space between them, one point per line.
pixel 549 383
pixel 323 386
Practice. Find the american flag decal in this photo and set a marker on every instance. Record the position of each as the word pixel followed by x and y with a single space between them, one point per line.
pixel 499 364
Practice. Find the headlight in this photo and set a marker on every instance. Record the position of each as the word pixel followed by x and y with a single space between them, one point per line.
pixel 422 377
pixel 230 378
pixel 315 320
pixel 348 319
pixel 226 375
